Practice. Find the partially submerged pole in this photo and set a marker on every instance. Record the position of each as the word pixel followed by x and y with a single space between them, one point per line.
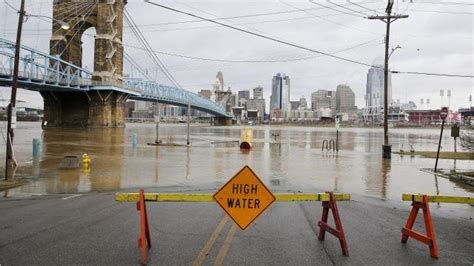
pixel 157 120
pixel 189 120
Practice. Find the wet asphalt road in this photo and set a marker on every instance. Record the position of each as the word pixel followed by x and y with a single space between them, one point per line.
pixel 94 229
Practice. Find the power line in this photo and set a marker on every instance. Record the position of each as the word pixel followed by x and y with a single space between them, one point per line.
pixel 10 5
pixel 137 66
pixel 432 74
pixel 242 16
pixel 446 3
pixel 441 12
pixel 141 38
pixel 250 61
pixel 296 45
pixel 346 8
pixel 260 35
pixel 364 7
pixel 330 21
pixel 340 11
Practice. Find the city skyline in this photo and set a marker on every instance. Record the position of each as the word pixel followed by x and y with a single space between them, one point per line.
pixel 423 49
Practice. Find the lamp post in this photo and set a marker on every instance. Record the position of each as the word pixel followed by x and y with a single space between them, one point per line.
pixel 64 25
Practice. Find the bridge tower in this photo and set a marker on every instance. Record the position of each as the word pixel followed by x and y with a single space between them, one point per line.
pixel 102 106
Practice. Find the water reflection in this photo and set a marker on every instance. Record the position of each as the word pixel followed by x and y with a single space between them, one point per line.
pixel 293 161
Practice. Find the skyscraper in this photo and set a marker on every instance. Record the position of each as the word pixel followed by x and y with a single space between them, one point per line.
pixel 345 99
pixel 280 93
pixel 259 105
pixel 243 97
pixel 220 79
pixel 258 92
pixel 375 88
pixel 323 99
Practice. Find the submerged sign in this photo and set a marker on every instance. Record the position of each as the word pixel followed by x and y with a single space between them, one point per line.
pixel 244 197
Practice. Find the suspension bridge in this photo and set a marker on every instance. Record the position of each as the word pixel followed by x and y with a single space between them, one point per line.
pixel 77 97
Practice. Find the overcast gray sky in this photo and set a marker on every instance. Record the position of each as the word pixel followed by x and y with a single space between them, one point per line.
pixel 437 37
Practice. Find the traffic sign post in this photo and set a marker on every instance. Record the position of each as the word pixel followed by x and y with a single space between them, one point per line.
pixel 244 197
pixel 443 115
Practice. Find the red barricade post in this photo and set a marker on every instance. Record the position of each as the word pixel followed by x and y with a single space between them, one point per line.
pixel 144 241
pixel 429 238
pixel 338 231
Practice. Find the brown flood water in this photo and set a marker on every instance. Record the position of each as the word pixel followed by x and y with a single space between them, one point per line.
pixel 293 163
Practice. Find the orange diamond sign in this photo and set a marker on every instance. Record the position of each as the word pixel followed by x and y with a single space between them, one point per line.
pixel 244 197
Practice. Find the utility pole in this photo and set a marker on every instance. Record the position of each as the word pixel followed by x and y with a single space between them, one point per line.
pixel 11 106
pixel 388 18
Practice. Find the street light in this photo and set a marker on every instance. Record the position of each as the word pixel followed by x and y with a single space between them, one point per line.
pixel 394 49
pixel 64 25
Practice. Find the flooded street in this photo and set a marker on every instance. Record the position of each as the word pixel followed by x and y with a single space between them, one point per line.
pixel 294 162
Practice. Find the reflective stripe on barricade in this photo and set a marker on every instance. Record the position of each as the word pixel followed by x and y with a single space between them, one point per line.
pixel 207 197
pixel 329 202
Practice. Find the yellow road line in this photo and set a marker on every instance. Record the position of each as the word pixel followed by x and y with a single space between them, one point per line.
pixel 225 247
pixel 438 198
pixel 207 197
pixel 205 250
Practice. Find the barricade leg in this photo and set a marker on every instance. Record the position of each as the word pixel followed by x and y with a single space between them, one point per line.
pixel 338 231
pixel 144 240
pixel 429 239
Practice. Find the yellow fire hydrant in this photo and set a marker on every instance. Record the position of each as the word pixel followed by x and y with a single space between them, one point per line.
pixel 86 160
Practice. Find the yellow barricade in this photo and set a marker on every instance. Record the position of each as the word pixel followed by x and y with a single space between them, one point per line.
pixel 207 197
pixel 438 198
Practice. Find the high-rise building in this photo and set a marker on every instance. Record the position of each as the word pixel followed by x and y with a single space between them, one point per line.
pixel 258 92
pixel 294 105
pixel 220 81
pixel 233 100
pixel 280 93
pixel 303 103
pixel 323 99
pixel 257 104
pixel 374 96
pixel 345 99
pixel 243 97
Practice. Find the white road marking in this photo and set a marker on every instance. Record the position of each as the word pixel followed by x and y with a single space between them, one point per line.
pixel 72 196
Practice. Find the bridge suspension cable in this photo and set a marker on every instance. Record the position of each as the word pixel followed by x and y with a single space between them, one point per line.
pixel 83 20
pixel 137 66
pixel 86 8
pixel 144 43
pixel 301 46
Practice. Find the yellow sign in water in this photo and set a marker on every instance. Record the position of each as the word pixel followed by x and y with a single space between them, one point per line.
pixel 244 197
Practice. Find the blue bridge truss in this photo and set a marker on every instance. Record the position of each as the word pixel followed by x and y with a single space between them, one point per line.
pixel 40 71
